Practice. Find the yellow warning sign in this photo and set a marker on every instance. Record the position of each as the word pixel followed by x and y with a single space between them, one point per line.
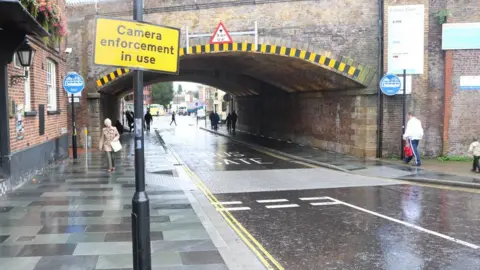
pixel 136 45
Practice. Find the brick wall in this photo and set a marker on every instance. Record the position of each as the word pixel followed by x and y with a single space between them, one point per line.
pixel 38 95
pixel 427 98
pixel 340 122
pixel 463 115
pixel 38 85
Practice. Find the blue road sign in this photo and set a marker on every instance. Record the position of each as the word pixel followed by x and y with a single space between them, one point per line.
pixel 390 84
pixel 73 83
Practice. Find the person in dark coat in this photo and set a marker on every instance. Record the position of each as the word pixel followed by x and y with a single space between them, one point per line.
pixel 129 116
pixel 211 116
pixel 148 120
pixel 173 119
pixel 229 122
pixel 234 121
pixel 119 127
pixel 216 119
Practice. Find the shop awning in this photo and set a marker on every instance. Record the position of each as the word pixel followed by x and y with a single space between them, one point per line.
pixel 14 17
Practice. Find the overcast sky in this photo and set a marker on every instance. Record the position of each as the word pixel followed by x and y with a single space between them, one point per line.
pixel 186 86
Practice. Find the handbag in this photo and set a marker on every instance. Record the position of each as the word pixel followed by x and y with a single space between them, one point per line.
pixel 116 146
pixel 407 150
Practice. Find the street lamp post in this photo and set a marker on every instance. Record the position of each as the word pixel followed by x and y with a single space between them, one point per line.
pixel 140 203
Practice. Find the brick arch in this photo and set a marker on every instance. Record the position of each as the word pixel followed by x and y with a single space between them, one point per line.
pixel 346 66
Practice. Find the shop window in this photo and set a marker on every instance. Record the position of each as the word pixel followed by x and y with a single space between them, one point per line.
pixel 51 85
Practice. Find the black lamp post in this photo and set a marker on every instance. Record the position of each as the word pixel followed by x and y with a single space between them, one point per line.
pixel 25 57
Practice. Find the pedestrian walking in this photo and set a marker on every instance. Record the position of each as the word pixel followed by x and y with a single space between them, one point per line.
pixel 173 119
pixel 234 121
pixel 108 140
pixel 211 116
pixel 413 135
pixel 474 150
pixel 148 119
pixel 129 116
pixel 216 119
pixel 119 127
pixel 229 122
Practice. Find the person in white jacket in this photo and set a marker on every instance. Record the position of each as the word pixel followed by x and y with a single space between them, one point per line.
pixel 413 135
pixel 474 150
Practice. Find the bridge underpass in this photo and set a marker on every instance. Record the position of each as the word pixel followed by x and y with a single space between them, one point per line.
pixel 289 93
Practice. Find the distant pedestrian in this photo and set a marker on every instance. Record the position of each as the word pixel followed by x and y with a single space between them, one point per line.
pixel 413 135
pixel 173 119
pixel 216 120
pixel 234 121
pixel 474 150
pixel 211 117
pixel 129 116
pixel 148 119
pixel 109 134
pixel 119 127
pixel 229 122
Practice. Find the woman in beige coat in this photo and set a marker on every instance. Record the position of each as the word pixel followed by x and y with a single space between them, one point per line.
pixel 109 135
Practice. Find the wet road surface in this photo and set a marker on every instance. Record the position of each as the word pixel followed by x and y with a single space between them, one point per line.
pixel 314 218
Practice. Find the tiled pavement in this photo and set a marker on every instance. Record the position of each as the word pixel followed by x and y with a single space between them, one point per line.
pixel 77 216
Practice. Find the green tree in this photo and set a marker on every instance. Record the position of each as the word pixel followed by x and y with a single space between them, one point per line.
pixel 180 89
pixel 162 93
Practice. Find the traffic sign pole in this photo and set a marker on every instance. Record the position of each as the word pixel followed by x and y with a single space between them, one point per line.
pixel 140 203
pixel 74 131
pixel 404 110
pixel 73 83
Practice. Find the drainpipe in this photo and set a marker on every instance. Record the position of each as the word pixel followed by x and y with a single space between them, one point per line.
pixel 380 74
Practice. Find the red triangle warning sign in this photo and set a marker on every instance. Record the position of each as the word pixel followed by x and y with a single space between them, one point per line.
pixel 221 35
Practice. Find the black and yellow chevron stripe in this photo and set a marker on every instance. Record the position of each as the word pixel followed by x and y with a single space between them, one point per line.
pixel 340 67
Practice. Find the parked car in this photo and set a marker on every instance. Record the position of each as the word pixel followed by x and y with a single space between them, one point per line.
pixel 182 111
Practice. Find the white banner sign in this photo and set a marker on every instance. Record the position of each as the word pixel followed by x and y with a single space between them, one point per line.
pixel 406 39
pixel 469 82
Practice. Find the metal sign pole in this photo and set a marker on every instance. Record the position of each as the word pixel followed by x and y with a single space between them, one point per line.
pixel 187 41
pixel 74 131
pixel 140 204
pixel 404 108
pixel 256 36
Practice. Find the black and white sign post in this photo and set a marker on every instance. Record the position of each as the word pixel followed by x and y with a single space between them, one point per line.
pixel 73 83
pixel 140 203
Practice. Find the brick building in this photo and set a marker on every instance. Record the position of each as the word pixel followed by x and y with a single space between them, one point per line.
pixel 37 111
pixel 147 96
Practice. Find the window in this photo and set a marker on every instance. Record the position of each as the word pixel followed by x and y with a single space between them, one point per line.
pixel 16 61
pixel 51 86
pixel 28 104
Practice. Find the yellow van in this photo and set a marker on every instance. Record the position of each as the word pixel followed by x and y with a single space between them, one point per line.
pixel 156 109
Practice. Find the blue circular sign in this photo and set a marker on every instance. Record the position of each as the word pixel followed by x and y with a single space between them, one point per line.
pixel 390 84
pixel 73 83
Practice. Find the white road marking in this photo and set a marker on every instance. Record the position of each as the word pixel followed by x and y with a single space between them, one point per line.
pixel 461 242
pixel 262 136
pixel 272 201
pixel 323 203
pixel 314 148
pixel 301 144
pixel 269 137
pixel 289 142
pixel 313 198
pixel 234 208
pixel 279 140
pixel 282 206
pixel 227 203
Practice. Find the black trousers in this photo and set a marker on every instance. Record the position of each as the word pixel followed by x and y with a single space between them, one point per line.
pixel 476 165
pixel 234 125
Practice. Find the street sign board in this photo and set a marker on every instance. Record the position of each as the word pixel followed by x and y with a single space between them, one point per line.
pixel 221 35
pixel 135 45
pixel 73 83
pixel 390 84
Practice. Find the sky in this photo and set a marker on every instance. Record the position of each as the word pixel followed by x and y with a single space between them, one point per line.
pixel 186 86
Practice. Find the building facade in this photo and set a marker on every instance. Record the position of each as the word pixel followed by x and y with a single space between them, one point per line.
pixel 37 112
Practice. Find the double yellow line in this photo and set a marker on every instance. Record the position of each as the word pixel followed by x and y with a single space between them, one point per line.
pixel 265 257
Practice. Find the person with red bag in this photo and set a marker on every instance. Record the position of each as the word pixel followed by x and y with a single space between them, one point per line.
pixel 407 149
pixel 413 135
